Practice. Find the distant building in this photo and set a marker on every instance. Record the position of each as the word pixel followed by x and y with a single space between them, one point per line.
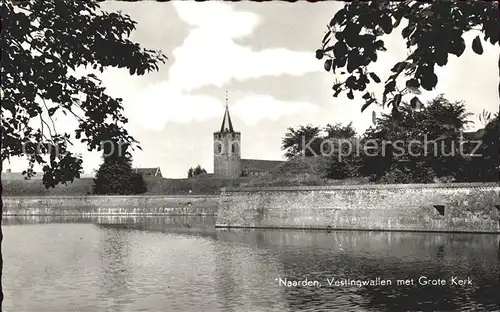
pixel 149 172
pixel 227 154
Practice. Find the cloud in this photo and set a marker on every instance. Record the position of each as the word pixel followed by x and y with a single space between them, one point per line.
pixel 164 104
pixel 217 17
pixel 252 109
pixel 160 103
pixel 210 56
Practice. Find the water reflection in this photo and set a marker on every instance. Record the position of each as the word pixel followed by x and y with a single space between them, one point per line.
pixel 184 264
pixel 245 278
pixel 392 256
pixel 114 282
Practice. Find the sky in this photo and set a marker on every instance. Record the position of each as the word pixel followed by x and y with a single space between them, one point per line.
pixel 263 55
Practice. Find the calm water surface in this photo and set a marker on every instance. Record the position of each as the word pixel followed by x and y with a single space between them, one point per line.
pixel 183 264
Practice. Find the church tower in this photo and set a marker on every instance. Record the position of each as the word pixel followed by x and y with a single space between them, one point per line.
pixel 227 152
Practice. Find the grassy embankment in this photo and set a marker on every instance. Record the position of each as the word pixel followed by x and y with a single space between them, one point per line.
pixel 82 187
pixel 292 173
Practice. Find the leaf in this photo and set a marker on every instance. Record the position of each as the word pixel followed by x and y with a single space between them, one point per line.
pixel 353 61
pixel 328 64
pixel 366 96
pixel 338 18
pixel 412 83
pixel 319 54
pixel 328 49
pixel 52 110
pixel 441 57
pixel 351 83
pixel 428 80
pixel 406 32
pixel 399 67
pixel 337 86
pixel 375 77
pixel 458 47
pixel 379 44
pixel 328 33
pixel 476 45
pixel 415 103
pixel 390 86
pixel 396 23
pixel 395 112
pixel 350 95
pixel 340 62
pixel 365 106
pixel 386 23
pixel 397 99
pixel 340 49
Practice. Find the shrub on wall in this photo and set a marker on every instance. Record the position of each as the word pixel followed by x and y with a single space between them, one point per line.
pixel 406 174
pixel 115 175
pixel 344 162
pixel 485 165
pixel 118 179
pixel 196 171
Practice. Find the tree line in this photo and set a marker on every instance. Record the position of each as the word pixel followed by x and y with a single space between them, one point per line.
pixel 420 146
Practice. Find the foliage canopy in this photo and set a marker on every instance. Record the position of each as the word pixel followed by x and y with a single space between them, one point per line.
pixel 198 170
pixel 43 48
pixel 432 31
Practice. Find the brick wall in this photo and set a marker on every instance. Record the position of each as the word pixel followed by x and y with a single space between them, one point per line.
pixel 110 205
pixel 467 207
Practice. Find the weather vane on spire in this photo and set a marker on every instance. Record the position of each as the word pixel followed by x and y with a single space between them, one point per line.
pixel 226 98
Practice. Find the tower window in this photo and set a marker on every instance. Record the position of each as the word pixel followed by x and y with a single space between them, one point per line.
pixel 219 148
pixel 234 148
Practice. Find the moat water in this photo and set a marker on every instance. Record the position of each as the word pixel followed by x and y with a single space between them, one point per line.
pixel 184 264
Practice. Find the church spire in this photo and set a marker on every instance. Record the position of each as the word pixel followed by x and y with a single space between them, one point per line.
pixel 227 125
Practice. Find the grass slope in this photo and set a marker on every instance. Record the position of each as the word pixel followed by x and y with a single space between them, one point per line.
pixel 296 172
pixel 155 186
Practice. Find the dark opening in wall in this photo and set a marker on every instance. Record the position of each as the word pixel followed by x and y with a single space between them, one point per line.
pixel 440 209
